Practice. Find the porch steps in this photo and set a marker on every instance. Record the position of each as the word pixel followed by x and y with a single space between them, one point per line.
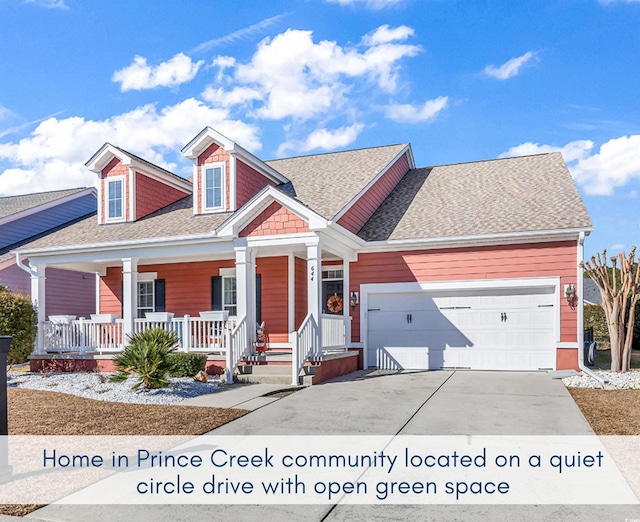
pixel 271 368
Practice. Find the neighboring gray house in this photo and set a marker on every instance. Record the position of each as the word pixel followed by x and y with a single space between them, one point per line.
pixel 591 292
pixel 26 218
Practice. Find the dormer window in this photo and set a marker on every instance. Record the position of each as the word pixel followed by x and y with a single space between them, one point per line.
pixel 115 198
pixel 213 187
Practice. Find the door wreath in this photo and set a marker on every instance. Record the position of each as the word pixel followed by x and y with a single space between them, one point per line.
pixel 334 304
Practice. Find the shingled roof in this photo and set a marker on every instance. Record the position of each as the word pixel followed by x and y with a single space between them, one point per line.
pixel 529 193
pixel 327 182
pixel 173 220
pixel 10 205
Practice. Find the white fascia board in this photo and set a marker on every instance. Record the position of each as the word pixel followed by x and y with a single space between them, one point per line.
pixel 281 240
pixel 202 140
pixel 50 204
pixel 104 155
pixel 172 249
pixel 537 236
pixel 163 177
pixel 366 188
pixel 99 248
pixel 260 202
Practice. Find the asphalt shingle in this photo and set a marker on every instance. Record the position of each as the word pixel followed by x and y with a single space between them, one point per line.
pixel 520 194
pixel 10 205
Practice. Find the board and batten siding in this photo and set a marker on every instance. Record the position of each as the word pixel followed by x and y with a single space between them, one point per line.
pixel 248 182
pixel 152 195
pixel 46 219
pixel 355 218
pixel 553 259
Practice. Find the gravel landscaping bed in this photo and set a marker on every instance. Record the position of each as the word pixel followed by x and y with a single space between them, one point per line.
pixel 97 386
pixel 619 381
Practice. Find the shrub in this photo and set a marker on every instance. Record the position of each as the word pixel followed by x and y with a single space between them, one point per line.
pixel 18 319
pixel 187 364
pixel 147 356
pixel 594 318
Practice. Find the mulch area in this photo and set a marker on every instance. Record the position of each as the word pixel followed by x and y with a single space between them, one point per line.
pixel 610 412
pixel 35 412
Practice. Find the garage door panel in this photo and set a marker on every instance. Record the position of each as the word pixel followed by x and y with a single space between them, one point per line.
pixel 482 329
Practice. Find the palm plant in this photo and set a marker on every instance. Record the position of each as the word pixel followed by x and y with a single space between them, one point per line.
pixel 147 356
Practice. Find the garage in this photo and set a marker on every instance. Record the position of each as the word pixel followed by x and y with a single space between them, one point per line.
pixel 482 329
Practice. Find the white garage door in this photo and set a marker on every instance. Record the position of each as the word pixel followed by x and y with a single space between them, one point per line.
pixel 486 329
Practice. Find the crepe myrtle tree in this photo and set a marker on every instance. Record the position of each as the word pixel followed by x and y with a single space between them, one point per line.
pixel 620 290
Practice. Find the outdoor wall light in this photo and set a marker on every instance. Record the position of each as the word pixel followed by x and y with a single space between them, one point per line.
pixel 353 299
pixel 569 293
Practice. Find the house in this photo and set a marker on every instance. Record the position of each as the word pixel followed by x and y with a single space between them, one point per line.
pixel 591 292
pixel 26 218
pixel 354 257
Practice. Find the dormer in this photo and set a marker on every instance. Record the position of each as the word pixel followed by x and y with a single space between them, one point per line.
pixel 130 187
pixel 225 176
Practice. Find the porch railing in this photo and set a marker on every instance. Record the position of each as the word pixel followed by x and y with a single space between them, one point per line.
pixel 305 344
pixel 194 335
pixel 238 343
pixel 82 336
pixel 335 331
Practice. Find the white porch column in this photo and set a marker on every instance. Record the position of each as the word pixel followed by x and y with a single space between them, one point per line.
pixel 346 302
pixel 314 285
pixel 291 294
pixel 246 286
pixel 38 289
pixel 129 295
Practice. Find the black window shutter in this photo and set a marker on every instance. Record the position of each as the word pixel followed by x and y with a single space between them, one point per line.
pixel 259 298
pixel 159 296
pixel 216 292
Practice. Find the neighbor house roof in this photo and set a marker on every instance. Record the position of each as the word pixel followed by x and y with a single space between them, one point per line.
pixel 10 205
pixel 591 292
pixel 522 194
pixel 327 182
pixel 176 219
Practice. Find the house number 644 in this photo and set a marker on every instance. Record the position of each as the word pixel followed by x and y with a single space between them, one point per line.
pixel 313 271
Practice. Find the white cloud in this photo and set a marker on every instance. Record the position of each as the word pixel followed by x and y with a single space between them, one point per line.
pixel 616 164
pixel 572 151
pixel 406 113
pixel 324 139
pixel 509 69
pixel 292 76
pixel 240 34
pixel 371 4
pixel 140 75
pixel 53 155
pixel 49 4
pixel 385 34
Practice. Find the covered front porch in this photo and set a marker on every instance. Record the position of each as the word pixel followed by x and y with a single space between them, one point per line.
pixel 213 294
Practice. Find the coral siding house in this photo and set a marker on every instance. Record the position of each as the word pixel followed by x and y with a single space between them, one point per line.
pixel 352 259
pixel 26 218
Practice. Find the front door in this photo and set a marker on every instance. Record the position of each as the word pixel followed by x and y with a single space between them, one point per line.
pixel 329 289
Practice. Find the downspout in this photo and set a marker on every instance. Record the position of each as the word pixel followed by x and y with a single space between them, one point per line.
pixel 580 287
pixel 19 263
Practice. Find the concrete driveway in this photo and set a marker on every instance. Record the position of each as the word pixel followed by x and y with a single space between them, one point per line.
pixel 411 403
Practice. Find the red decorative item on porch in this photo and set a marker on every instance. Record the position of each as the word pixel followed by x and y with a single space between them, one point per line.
pixel 261 338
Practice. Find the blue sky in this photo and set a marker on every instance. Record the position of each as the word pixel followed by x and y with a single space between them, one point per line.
pixel 459 80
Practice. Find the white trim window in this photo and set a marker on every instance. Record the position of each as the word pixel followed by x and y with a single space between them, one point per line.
pixel 146 298
pixel 213 187
pixel 114 198
pixel 229 291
